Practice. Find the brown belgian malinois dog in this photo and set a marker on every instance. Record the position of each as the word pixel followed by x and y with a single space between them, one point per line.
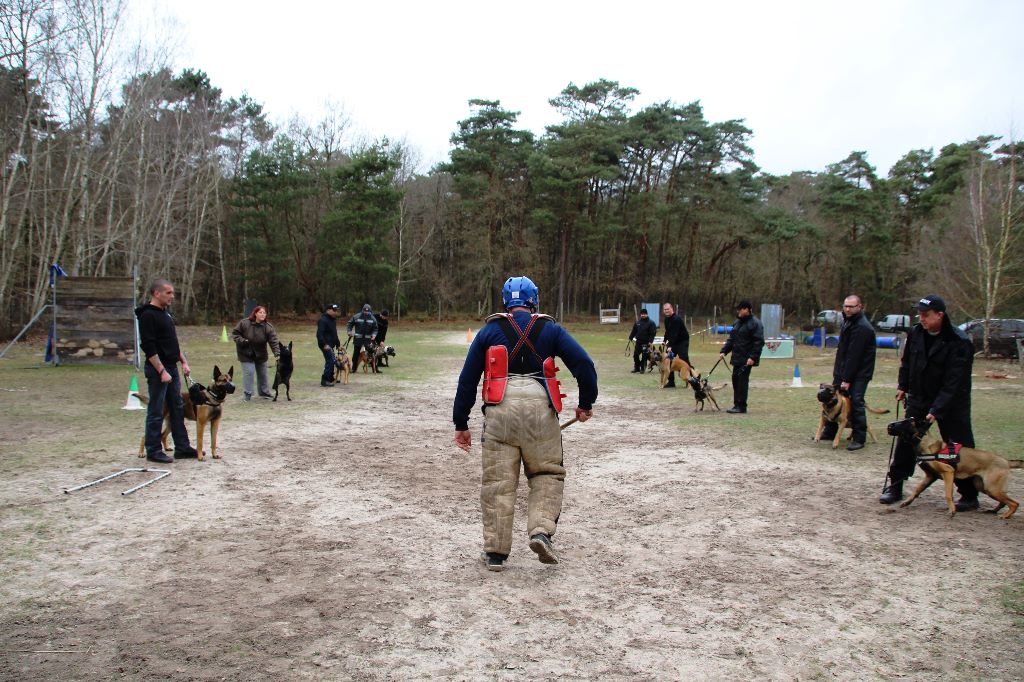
pixel 835 409
pixel 676 364
pixel 342 366
pixel 209 412
pixel 988 470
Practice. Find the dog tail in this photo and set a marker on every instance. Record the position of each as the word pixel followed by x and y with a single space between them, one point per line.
pixel 142 399
pixel 875 410
pixel 1016 463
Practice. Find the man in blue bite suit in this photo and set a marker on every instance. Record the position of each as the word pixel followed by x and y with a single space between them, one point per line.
pixel 521 403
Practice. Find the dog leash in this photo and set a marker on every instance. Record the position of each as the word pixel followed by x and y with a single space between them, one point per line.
pixel 713 369
pixel 892 449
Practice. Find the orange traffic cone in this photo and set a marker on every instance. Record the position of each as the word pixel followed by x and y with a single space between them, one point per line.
pixel 469 336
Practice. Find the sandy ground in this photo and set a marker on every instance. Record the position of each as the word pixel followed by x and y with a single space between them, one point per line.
pixel 347 547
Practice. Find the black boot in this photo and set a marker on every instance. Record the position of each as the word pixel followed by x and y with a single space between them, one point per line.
pixel 893 493
pixel 968 494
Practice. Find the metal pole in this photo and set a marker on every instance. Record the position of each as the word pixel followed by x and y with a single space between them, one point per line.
pixel 56 354
pixel 163 473
pixel 135 320
pixel 25 329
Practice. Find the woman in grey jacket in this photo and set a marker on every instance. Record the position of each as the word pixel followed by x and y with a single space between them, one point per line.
pixel 251 337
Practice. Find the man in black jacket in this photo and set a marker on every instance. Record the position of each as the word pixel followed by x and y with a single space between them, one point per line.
pixel 677 338
pixel 853 369
pixel 643 333
pixel 935 380
pixel 159 341
pixel 746 340
pixel 327 340
pixel 363 327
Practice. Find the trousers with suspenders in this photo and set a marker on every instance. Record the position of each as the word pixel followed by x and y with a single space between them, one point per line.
pixel 522 428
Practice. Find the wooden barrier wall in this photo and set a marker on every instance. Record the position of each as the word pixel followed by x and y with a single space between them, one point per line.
pixel 95 320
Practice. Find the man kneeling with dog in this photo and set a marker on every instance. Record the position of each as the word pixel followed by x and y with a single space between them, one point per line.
pixel 935 380
pixel 515 352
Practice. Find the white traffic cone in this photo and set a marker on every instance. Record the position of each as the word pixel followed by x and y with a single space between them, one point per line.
pixel 133 403
pixel 797 383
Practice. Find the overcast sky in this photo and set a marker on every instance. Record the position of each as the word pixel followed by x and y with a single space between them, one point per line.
pixel 813 79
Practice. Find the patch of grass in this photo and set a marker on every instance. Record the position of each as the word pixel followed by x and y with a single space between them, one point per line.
pixel 1013 602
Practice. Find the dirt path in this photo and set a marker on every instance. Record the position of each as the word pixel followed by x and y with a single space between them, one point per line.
pixel 346 547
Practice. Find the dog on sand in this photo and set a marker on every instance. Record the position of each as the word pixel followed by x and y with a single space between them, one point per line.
pixel 835 409
pixel 989 471
pixel 342 366
pixel 209 412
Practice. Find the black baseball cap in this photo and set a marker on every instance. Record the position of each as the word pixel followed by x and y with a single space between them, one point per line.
pixel 333 306
pixel 932 302
pixel 643 311
pixel 744 304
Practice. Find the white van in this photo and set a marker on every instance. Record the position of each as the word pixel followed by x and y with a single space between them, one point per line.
pixel 894 323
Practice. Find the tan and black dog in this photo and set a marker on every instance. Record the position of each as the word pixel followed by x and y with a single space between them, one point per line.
pixel 702 391
pixel 676 364
pixel 342 366
pixel 835 409
pixel 368 359
pixel 209 412
pixel 988 470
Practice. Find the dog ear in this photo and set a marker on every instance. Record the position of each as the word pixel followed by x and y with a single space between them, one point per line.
pixel 216 372
pixel 290 345
pixel 231 372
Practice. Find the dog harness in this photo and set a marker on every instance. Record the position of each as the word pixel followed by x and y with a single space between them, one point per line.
pixel 950 455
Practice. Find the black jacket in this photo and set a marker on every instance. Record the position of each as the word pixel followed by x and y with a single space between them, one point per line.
pixel 157 334
pixel 327 332
pixel 382 328
pixel 676 336
pixel 745 340
pixel 644 331
pixel 937 377
pixel 855 358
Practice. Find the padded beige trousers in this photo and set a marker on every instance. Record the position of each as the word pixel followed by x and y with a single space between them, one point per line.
pixel 522 427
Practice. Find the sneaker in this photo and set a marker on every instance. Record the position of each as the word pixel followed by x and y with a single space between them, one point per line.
pixel 267 396
pixel 186 453
pixel 854 445
pixel 160 457
pixel 541 544
pixel 327 384
pixel 495 562
pixel 965 504
pixel 736 410
pixel 635 371
pixel 246 397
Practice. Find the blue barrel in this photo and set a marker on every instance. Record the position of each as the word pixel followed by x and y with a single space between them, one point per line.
pixel 887 341
pixel 832 341
pixel 723 329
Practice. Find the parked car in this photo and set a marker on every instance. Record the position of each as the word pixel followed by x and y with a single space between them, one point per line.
pixel 895 323
pixel 1002 335
pixel 830 319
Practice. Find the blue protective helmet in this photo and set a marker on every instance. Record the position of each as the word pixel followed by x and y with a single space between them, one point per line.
pixel 520 291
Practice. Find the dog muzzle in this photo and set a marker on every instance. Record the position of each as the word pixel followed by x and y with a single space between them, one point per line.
pixel 908 428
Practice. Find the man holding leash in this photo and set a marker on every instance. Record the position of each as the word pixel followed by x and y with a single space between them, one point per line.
pixel 327 339
pixel 643 333
pixel 515 353
pixel 854 367
pixel 363 327
pixel 158 338
pixel 677 339
pixel 746 340
pixel 935 380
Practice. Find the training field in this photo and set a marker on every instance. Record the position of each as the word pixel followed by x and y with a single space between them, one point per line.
pixel 339 535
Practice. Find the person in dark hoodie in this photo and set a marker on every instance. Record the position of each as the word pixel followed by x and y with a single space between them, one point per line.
pixel 363 327
pixel 159 340
pixel 854 367
pixel 935 380
pixel 327 339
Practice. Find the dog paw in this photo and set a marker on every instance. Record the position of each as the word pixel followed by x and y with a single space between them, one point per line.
pixel 216 456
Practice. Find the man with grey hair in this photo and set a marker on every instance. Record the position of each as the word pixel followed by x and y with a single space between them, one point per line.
pixel 853 369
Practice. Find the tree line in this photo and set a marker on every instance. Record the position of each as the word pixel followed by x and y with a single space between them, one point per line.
pixel 610 204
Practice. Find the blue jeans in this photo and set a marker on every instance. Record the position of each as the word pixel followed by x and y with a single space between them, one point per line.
pixel 328 374
pixel 161 394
